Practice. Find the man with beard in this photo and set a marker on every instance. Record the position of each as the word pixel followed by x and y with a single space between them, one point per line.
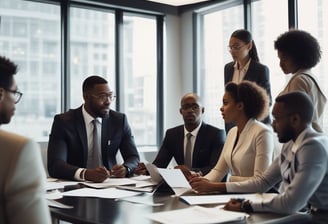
pixel 302 166
pixel 204 148
pixel 77 150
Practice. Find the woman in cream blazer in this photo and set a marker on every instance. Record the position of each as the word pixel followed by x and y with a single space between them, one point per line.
pixel 248 150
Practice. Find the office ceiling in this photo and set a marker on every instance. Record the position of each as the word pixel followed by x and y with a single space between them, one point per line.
pixel 178 2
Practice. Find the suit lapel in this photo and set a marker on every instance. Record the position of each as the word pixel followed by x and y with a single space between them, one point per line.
pixel 180 145
pixel 80 127
pixel 198 142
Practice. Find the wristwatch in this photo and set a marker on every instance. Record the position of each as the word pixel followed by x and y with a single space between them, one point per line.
pixel 128 171
pixel 246 206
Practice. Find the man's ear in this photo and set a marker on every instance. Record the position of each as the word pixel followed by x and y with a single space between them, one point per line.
pixel 180 110
pixel 203 110
pixel 295 119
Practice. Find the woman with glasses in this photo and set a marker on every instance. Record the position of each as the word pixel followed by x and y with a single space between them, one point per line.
pixel 246 64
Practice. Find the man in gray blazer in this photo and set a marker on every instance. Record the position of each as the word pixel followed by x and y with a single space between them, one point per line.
pixel 302 166
pixel 22 176
pixel 71 138
pixel 207 141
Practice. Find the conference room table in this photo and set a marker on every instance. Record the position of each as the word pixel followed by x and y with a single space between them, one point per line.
pixel 93 210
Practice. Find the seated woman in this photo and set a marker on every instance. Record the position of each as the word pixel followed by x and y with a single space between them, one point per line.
pixel 248 150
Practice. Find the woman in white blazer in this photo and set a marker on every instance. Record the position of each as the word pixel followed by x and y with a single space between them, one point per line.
pixel 248 150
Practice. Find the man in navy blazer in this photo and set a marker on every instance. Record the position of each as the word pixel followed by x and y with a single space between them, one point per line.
pixel 207 140
pixel 71 138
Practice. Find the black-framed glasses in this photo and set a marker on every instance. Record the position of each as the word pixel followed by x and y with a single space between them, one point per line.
pixel 103 97
pixel 193 106
pixel 17 95
pixel 235 47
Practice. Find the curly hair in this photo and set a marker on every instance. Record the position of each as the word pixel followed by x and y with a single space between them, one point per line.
pixel 300 46
pixel 255 98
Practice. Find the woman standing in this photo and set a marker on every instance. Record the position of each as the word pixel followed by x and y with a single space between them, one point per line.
pixel 246 65
pixel 298 52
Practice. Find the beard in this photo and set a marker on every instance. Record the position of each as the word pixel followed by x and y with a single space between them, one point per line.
pixel 286 135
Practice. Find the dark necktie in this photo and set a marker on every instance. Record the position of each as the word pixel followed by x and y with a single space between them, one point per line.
pixel 94 159
pixel 188 157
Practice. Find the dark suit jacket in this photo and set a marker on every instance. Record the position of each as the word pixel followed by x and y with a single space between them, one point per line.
pixel 68 148
pixel 208 145
pixel 257 73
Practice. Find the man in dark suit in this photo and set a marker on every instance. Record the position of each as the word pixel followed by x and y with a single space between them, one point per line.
pixel 71 150
pixel 206 141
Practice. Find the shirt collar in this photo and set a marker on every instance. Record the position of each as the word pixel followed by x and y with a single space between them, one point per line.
pixel 87 117
pixel 245 68
pixel 299 140
pixel 194 132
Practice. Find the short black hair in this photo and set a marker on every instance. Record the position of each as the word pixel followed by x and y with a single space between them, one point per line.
pixel 301 46
pixel 7 70
pixel 91 81
pixel 298 102
pixel 254 97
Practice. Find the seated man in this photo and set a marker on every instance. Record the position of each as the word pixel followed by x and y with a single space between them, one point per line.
pixel 302 165
pixel 84 142
pixel 205 143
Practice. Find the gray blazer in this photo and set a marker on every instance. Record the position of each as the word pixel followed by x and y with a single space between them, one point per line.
pixel 22 181
pixel 304 177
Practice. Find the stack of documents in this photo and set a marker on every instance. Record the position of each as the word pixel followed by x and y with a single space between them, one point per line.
pixel 197 214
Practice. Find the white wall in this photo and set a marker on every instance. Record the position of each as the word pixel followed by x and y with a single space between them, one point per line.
pixel 177 66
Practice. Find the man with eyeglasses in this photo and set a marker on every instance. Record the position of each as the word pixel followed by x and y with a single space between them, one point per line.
pixel 83 142
pixel 206 141
pixel 22 176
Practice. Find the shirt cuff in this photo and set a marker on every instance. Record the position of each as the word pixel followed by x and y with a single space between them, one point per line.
pixel 77 175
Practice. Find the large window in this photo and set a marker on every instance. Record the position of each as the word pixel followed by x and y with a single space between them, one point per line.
pixel 265 29
pixel 139 83
pixel 92 49
pixel 30 36
pixel 217 28
pixel 312 17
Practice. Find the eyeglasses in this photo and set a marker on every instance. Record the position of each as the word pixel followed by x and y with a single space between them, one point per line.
pixel 103 97
pixel 18 95
pixel 188 106
pixel 235 47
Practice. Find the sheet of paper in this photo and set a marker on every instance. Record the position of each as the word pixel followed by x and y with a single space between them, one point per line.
pixel 153 172
pixel 53 184
pixel 111 193
pixel 176 180
pixel 224 198
pixel 57 204
pixel 141 200
pixel 197 214
pixel 55 194
pixel 111 182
